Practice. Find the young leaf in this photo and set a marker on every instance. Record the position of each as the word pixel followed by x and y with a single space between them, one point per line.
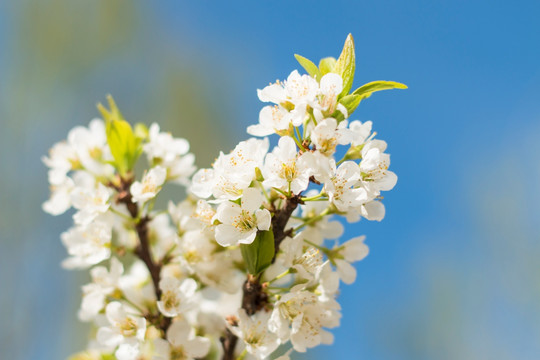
pixel 259 254
pixel 141 131
pixel 309 66
pixel 379 85
pixel 345 65
pixel 350 102
pixel 327 65
pixel 125 146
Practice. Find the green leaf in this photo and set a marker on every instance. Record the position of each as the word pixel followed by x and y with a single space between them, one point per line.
pixel 309 66
pixel 124 144
pixel 345 65
pixel 350 102
pixel 327 65
pixel 258 175
pixel 259 254
pixel 379 85
pixel 141 131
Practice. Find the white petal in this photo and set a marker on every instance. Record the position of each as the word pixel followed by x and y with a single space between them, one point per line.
pixel 108 337
pixel 227 235
pixel 198 347
pixel 178 333
pixel 252 199
pixel 248 237
pixel 355 249
pixel 373 210
pixel 162 349
pixel 259 130
pixel 188 287
pixel 331 84
pixel 263 219
pixel 169 283
pixel 115 312
pixel 227 212
pixel 127 351
pixel 388 181
pixel 346 271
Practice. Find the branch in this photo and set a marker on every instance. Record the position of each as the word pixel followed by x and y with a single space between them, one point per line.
pixel 229 344
pixel 143 250
pixel 280 220
pixel 254 298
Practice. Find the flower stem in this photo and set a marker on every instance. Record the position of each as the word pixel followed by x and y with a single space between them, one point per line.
pixel 280 276
pixel 242 355
pixel 313 219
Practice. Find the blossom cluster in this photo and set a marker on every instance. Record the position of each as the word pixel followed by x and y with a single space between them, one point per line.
pixel 251 260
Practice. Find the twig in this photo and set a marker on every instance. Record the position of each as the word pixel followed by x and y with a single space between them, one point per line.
pixel 254 297
pixel 143 250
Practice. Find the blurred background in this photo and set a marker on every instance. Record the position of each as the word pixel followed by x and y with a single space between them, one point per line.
pixel 454 270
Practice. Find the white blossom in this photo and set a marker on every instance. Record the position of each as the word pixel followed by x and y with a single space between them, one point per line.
pixel 176 296
pixel 87 246
pixel 300 316
pixel 299 90
pixel 232 173
pixel 284 169
pixel 360 131
pixel 340 187
pixel 150 185
pixel 253 331
pixel 181 343
pixel 90 145
pixel 331 86
pixel 325 228
pixel 351 251
pixel 90 202
pixel 125 330
pixel 328 134
pixel 374 168
pixel 103 283
pixel 240 223
pixel 60 199
pixel 162 147
pixel 61 160
pixel 272 120
pixel 171 153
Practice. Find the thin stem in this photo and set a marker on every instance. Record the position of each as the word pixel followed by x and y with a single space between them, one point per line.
pixel 167 255
pixel 264 191
pixel 313 219
pixel 315 198
pixel 122 215
pixel 242 355
pixel 297 131
pixel 280 276
pixel 322 248
pixel 298 143
pixel 132 304
pixel 281 191
pixel 313 118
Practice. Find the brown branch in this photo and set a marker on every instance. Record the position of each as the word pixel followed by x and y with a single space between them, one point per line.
pixel 280 220
pixel 229 344
pixel 254 298
pixel 143 250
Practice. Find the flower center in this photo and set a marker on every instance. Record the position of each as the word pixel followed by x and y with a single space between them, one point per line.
pixel 170 300
pixel 128 327
pixel 245 221
pixel 177 353
pixel 288 170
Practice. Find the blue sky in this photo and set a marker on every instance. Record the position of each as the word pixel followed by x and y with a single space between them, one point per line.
pixel 453 269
